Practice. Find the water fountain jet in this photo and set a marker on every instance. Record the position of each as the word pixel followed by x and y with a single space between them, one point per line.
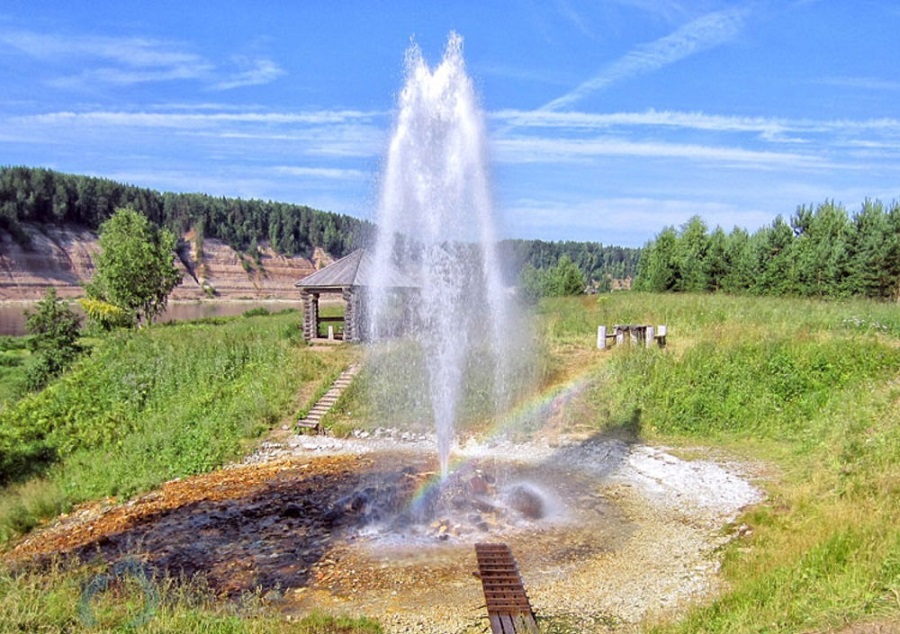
pixel 436 223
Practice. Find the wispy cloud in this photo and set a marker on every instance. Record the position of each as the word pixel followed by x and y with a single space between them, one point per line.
pixel 197 120
pixel 648 118
pixel 695 120
pixel 255 73
pixel 323 172
pixel 708 31
pixel 547 149
pixel 331 133
pixel 128 51
pixel 123 61
pixel 566 10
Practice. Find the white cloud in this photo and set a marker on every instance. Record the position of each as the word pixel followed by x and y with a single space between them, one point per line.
pixel 322 172
pixel 707 31
pixel 259 71
pixel 567 11
pixel 649 118
pixel 331 133
pixel 129 51
pixel 196 120
pixel 539 150
pixel 122 61
pixel 688 120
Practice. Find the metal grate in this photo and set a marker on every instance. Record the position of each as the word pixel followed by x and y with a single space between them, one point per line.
pixel 507 604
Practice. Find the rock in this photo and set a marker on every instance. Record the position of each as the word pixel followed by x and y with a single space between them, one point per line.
pixel 478 485
pixel 526 501
pixel 272 596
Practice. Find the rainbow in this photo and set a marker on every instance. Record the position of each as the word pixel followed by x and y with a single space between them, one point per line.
pixel 542 406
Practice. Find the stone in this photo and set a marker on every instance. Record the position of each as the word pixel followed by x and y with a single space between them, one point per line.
pixel 526 501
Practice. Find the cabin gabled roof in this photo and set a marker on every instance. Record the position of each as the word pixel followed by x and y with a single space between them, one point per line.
pixel 352 270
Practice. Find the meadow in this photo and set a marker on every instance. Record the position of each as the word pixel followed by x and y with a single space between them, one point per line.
pixel 805 389
pixel 147 406
pixel 808 389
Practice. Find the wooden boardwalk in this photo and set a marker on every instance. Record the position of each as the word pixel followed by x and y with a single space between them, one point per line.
pixel 507 604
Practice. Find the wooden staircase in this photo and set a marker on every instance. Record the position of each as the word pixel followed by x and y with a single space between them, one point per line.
pixel 312 422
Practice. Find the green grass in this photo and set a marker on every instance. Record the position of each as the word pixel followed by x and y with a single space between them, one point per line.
pixel 14 355
pixel 808 387
pixel 393 388
pixel 151 405
pixel 54 600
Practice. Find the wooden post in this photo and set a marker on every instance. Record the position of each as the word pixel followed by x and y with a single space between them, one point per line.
pixel 350 317
pixel 620 335
pixel 661 336
pixel 601 337
pixel 313 315
pixel 331 333
pixel 649 342
pixel 310 314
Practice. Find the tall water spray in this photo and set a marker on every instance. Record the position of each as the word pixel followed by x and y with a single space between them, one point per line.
pixel 436 228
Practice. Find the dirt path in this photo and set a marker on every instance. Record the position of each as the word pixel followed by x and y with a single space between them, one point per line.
pixel 612 533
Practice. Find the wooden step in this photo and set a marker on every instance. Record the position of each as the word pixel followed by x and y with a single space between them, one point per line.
pixel 509 610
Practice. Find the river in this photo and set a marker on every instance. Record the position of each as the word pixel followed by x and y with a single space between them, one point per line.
pixel 12 314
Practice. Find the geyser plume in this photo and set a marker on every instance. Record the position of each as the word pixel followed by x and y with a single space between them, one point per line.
pixel 437 236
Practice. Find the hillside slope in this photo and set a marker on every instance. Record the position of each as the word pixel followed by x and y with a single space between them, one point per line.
pixel 64 257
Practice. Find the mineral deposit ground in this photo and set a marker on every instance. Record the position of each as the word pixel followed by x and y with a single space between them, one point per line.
pixel 606 532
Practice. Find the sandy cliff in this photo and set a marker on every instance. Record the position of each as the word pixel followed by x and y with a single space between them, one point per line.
pixel 64 257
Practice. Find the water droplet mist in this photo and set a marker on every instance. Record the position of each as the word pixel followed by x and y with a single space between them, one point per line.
pixel 436 228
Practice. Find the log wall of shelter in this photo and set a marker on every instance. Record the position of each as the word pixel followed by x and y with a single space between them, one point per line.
pixel 351 314
pixel 310 315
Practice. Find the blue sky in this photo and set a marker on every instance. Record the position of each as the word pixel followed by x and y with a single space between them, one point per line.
pixel 608 120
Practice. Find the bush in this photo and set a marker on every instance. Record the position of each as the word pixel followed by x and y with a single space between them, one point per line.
pixel 54 331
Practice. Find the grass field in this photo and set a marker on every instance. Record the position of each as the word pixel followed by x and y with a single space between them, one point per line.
pixel 13 355
pixel 808 389
pixel 148 406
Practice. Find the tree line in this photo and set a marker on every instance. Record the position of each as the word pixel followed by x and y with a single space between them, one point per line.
pixel 41 195
pixel 820 251
pixel 599 264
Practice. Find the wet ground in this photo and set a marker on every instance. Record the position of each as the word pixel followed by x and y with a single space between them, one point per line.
pixel 604 532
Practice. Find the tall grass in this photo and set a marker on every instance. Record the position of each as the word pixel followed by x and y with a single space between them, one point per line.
pixel 13 357
pixel 810 387
pixel 393 389
pixel 148 406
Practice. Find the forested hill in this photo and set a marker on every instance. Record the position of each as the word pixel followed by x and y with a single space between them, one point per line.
pixel 608 267
pixel 39 195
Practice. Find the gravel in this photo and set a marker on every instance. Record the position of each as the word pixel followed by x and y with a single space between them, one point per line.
pixel 628 532
pixel 641 540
